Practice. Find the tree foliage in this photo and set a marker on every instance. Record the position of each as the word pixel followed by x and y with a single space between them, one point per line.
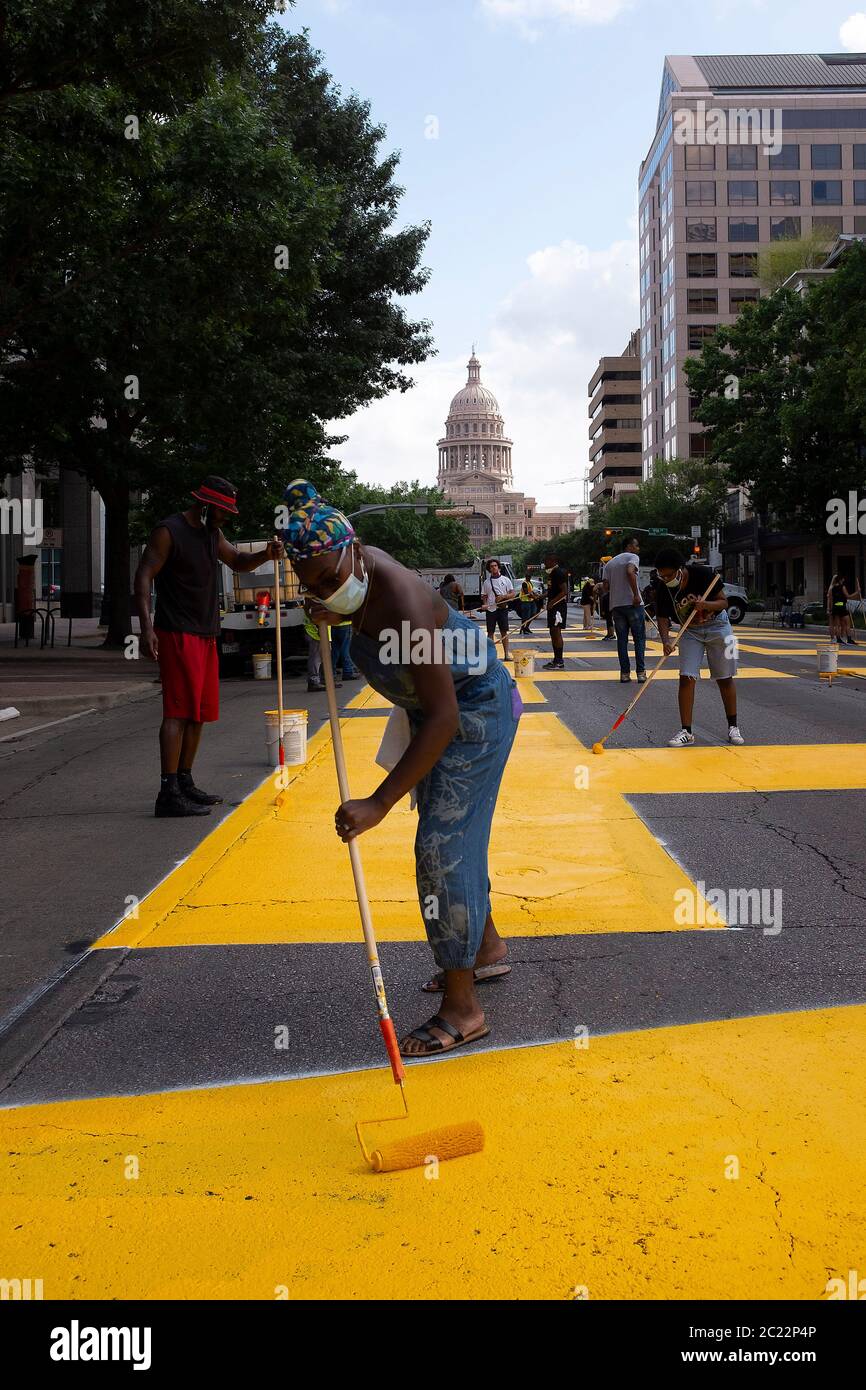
pixel 779 260
pixel 681 493
pixel 202 297
pixel 792 427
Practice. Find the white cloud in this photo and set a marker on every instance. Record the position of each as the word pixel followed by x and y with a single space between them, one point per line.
pixel 544 342
pixel 528 14
pixel 852 34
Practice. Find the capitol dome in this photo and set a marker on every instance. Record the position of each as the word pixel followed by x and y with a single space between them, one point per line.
pixel 473 398
pixel 474 441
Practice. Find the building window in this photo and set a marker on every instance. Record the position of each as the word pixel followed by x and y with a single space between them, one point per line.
pixel 860 190
pixel 703 302
pixel 742 156
pixel 737 298
pixel 700 156
pixel 700 229
pixel 742 265
pixel 698 334
pixel 826 156
pixel 783 228
pixel 50 571
pixel 787 158
pixel 742 229
pixel 700 193
pixel 859 156
pixel 860 226
pixel 698 446
pixel 784 192
pixel 799 576
pixel 701 265
pixel 742 192
pixel 826 191
pixel 829 225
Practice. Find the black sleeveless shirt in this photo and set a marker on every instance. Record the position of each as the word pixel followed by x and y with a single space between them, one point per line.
pixel 187 588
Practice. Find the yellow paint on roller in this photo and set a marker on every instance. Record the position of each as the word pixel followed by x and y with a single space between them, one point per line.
pixel 578 860
pixel 607 1168
pixel 436 1145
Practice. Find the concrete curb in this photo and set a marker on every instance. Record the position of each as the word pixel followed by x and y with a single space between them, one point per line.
pixel 69 704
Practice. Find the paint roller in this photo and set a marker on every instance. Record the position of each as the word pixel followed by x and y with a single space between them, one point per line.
pixel 451 1141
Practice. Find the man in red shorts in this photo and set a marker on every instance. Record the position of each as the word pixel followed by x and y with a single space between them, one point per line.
pixel 181 560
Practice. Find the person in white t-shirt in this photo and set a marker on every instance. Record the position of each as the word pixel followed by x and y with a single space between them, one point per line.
pixel 495 594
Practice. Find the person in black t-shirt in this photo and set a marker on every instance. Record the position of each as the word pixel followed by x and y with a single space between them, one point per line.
pixel 679 591
pixel 557 609
pixel 181 562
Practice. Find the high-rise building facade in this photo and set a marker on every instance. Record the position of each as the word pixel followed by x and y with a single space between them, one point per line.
pixel 615 424
pixel 747 151
pixel 475 470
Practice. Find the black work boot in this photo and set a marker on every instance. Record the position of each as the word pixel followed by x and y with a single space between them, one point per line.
pixel 188 788
pixel 174 803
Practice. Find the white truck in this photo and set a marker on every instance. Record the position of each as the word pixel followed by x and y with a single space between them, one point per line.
pixel 469 577
pixel 248 614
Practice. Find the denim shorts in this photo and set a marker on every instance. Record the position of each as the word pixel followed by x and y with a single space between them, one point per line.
pixel 716 639
pixel 456 802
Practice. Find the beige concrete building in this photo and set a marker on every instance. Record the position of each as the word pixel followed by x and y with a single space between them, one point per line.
pixel 475 470
pixel 615 424
pixel 747 150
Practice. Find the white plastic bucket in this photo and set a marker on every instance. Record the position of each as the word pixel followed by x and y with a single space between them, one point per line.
pixel 262 666
pixel 524 663
pixel 294 736
pixel 828 661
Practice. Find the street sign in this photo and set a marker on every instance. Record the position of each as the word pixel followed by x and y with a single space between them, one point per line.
pixel 52 538
pixel 657 531
pixel 696 533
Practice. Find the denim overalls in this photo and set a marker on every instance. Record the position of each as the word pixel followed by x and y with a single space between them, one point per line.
pixel 457 798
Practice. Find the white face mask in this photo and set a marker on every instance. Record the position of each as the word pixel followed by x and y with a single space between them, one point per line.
pixel 351 593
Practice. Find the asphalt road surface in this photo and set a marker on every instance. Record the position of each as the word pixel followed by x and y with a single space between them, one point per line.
pixel 604 872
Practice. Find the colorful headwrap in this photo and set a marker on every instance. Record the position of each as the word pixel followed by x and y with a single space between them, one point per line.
pixel 313 527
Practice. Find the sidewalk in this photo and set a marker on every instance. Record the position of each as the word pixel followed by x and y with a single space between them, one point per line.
pixel 56 682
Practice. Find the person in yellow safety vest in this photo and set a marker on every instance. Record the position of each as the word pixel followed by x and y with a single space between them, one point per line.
pixel 314 656
pixel 527 605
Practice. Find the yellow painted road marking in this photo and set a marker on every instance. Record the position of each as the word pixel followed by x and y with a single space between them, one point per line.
pixel 666 674
pixel 715 1161
pixel 784 651
pixel 563 858
pixel 756 768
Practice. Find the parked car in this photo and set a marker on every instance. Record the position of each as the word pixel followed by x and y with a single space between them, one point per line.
pixel 738 602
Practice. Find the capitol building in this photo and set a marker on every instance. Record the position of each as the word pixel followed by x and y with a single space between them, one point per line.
pixel 475 470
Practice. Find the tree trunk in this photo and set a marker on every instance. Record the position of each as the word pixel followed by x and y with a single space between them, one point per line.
pixel 118 589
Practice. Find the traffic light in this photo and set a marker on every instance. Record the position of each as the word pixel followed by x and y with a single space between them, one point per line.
pixel 696 548
pixel 608 532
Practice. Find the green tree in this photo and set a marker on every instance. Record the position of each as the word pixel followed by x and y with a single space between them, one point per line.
pixel 778 260
pixel 680 494
pixel 210 293
pixel 157 49
pixel 783 394
pixel 415 540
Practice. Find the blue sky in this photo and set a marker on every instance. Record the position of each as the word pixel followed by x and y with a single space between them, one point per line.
pixel 542 111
